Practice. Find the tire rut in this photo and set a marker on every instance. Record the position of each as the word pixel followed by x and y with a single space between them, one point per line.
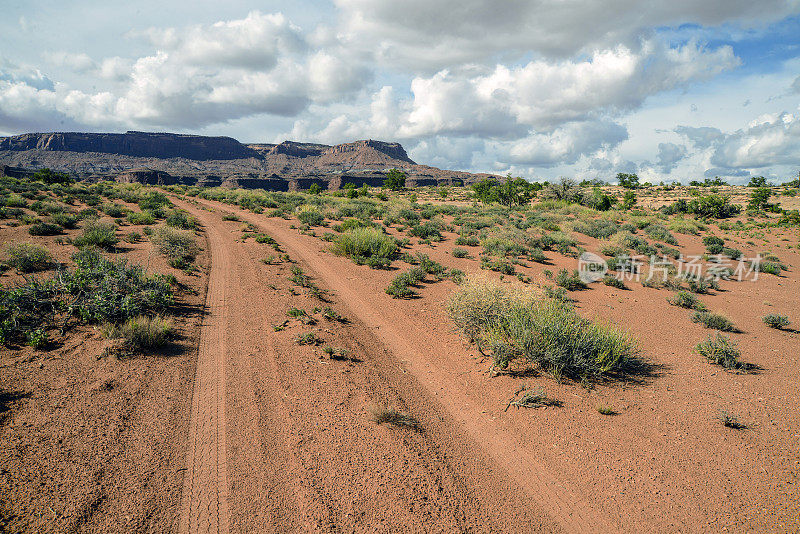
pixel 205 494
pixel 562 503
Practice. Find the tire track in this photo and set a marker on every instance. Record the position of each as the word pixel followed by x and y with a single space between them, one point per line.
pixel 562 502
pixel 205 493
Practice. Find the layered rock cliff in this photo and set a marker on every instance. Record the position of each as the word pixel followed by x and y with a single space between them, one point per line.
pixel 164 158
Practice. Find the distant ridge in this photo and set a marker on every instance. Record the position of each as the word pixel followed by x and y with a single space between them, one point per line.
pixel 168 158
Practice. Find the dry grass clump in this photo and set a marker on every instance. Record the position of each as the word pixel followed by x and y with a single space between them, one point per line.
pixel 142 332
pixel 512 323
pixel 384 414
pixel 176 245
pixel 29 258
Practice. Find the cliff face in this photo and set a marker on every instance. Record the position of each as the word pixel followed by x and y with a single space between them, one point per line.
pixel 164 158
pixel 136 144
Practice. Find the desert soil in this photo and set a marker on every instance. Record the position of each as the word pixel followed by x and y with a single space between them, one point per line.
pixel 243 429
pixel 663 463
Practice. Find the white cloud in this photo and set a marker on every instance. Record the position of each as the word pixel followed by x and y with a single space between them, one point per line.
pixel 767 141
pixel 433 35
pixel 200 75
pixel 542 96
pixel 669 155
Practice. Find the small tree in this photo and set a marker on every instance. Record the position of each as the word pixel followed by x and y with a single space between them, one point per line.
pixel 759 199
pixel 628 181
pixel 395 180
pixel 757 181
pixel 628 200
pixel 51 177
pixel 315 189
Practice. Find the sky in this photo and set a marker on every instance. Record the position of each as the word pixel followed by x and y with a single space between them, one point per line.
pixel 673 91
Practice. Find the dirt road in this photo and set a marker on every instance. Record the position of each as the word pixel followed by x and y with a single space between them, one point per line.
pixel 300 452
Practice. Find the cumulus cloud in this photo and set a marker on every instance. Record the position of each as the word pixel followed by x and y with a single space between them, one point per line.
pixel 200 75
pixel 767 141
pixel 567 143
pixel 425 34
pixel 508 102
pixel 669 155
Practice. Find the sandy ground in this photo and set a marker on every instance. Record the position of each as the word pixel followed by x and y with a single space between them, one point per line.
pixel 91 443
pixel 664 463
pixel 240 428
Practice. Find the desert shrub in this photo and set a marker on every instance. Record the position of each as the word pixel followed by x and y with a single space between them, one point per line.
pixel 365 243
pixel 701 285
pixel 400 288
pixel 143 332
pixel 713 206
pixel 660 233
pixel 16 201
pixel 175 245
pixel 28 258
pixel 501 266
pixel 469 241
pixel 141 218
pixel 776 321
pixel 108 291
pixel 426 230
pixel 98 234
pixel 65 220
pixel 686 226
pixel 721 350
pixel 597 228
pixel 713 240
pixel 769 267
pixel 153 201
pixel 26 311
pixel 515 323
pixel 713 320
pixel 569 281
pixel 42 229
pixel 732 253
pixel 230 217
pixel 181 219
pixel 613 281
pixel 114 210
pixel 311 217
pixel 460 253
pixel 687 300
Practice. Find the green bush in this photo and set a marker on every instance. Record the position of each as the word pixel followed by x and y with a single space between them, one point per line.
pixel 468 241
pixel 311 217
pixel 108 291
pixel 27 258
pixel 175 245
pixel 42 229
pixel 460 253
pixel 721 350
pixel 181 219
pixel 141 218
pixel 361 244
pixel 115 210
pixel 514 324
pixel 713 320
pixel 98 234
pixel 153 201
pixel 613 281
pixel 687 300
pixel 776 321
pixel 65 220
pixel 426 230
pixel 570 282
